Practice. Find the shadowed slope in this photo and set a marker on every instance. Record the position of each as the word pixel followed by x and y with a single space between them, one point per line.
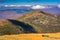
pixel 27 28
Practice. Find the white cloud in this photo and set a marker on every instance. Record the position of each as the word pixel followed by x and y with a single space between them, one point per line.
pixel 39 7
pixel 6 5
pixel 59 5
pixel 17 5
pixel 32 6
pixel 12 5
pixel 28 5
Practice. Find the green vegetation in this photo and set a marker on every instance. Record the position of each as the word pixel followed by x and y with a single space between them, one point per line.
pixel 8 28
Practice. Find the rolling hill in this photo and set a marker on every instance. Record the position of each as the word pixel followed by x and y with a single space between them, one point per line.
pixel 32 22
pixel 42 22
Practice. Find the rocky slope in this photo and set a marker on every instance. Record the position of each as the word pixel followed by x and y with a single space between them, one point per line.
pixel 42 22
pixel 32 22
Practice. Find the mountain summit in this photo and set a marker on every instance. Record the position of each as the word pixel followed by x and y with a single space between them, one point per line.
pixel 41 22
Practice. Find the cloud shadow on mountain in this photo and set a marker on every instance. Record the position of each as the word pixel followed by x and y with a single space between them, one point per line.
pixel 27 28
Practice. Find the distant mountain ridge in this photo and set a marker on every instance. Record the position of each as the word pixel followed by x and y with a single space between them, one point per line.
pixel 16 11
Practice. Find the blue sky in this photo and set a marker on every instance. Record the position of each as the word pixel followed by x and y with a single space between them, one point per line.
pixel 31 2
